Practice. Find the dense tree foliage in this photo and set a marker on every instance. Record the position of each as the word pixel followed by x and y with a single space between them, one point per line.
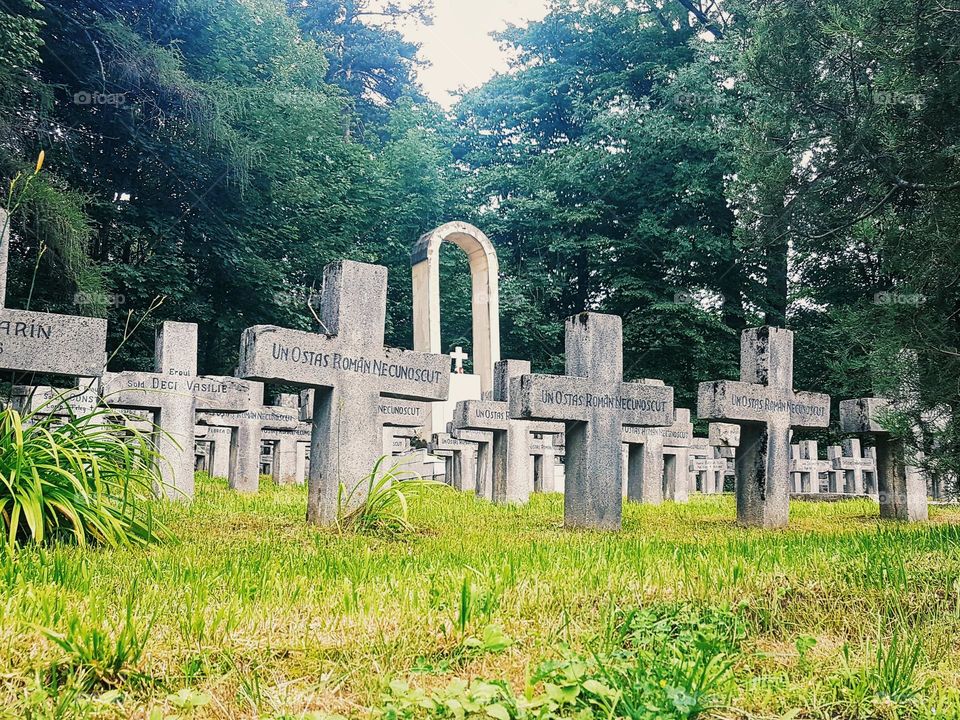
pixel 694 166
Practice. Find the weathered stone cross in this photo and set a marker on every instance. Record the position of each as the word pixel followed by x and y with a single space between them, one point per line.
pixel 512 462
pixel 594 403
pixel 350 369
pixel 174 394
pixel 46 342
pixel 766 406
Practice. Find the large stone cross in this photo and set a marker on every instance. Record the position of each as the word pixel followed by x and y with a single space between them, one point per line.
pixel 594 403
pixel 350 369
pixel 174 394
pixel 766 407
pixel 38 342
pixel 512 462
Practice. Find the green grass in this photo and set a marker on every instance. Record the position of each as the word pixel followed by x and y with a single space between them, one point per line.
pixel 253 613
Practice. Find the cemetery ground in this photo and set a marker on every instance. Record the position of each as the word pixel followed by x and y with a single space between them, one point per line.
pixel 251 612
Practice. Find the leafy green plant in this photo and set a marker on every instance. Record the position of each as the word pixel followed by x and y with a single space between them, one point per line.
pixel 668 662
pixel 81 476
pixel 379 503
pixel 889 685
pixel 97 657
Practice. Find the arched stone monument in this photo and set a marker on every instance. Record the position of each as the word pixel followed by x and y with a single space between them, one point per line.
pixel 485 301
pixel 485 307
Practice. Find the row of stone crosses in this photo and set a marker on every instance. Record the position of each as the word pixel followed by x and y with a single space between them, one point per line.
pixel 355 387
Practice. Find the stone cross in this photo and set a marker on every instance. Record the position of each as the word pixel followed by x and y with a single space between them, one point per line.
pixel 290 448
pixel 350 369
pixel 482 481
pixel 901 488
pixel 698 453
pixel 858 468
pixel 458 356
pixel 720 467
pixel 643 450
pixel 544 455
pixel 36 342
pixel 512 463
pixel 174 393
pixel 805 467
pixel 653 457
pixel 594 403
pixel 247 434
pixel 58 402
pixel 463 461
pixel 217 440
pixel 766 407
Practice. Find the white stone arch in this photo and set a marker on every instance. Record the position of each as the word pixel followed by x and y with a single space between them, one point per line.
pixel 485 302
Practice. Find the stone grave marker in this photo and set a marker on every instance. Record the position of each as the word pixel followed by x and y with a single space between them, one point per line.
pixel 247 430
pixel 657 460
pixel 511 455
pixel 173 394
pixel 36 342
pixel 855 468
pixel 350 369
pixel 217 441
pixel 483 476
pixel 804 468
pixel 463 460
pixel 698 453
pixel 57 402
pixel 901 488
pixel 766 407
pixel 594 403
pixel 544 455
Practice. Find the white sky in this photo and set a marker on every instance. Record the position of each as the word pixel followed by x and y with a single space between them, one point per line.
pixel 458 44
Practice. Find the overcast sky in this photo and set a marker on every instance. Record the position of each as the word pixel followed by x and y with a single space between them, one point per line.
pixel 459 46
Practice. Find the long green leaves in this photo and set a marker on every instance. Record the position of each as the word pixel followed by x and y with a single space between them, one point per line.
pixel 379 502
pixel 82 477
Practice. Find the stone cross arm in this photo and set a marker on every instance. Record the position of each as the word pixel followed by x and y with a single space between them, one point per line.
pixel 269 418
pixel 394 412
pixel 51 343
pixel 151 390
pixel 274 354
pixel 679 434
pixel 481 415
pixel 747 402
pixel 570 398
pixel 862 415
